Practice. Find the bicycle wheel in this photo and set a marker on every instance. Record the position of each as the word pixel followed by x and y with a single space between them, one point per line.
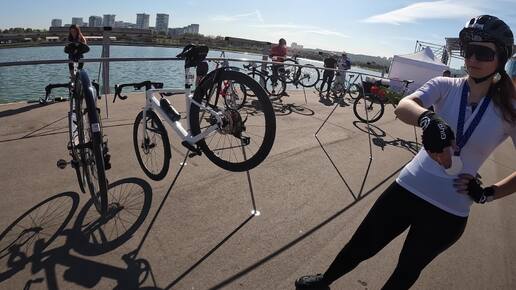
pixel 151 145
pixel 234 97
pixel 276 88
pixel 368 109
pixel 259 78
pixel 245 136
pixel 73 134
pixel 290 72
pixel 91 144
pixel 309 76
pixel 354 91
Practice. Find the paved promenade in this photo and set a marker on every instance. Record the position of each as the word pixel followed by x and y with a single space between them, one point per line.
pixel 202 235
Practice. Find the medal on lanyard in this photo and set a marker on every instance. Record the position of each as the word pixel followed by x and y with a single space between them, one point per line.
pixel 463 137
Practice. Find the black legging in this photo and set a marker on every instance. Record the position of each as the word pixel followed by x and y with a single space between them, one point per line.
pixel 327 78
pixel 432 231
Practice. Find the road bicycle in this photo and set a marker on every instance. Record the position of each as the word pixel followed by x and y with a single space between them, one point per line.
pixel 86 145
pixel 227 134
pixel 272 88
pixel 341 90
pixel 307 75
pixel 347 88
pixel 369 107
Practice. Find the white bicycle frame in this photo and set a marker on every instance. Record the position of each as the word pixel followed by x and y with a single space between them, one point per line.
pixel 151 102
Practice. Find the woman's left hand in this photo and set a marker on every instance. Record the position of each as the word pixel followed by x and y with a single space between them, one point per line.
pixel 467 184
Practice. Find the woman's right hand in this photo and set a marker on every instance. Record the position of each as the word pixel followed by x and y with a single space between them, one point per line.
pixel 438 138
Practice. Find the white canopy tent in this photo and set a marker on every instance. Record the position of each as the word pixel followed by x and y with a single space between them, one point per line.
pixel 419 67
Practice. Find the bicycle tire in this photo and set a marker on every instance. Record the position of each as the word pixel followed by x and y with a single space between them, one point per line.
pixel 233 98
pixel 372 104
pixel 74 151
pixel 259 78
pixel 236 127
pixel 312 71
pixel 275 90
pixel 91 151
pixel 159 130
pixel 354 91
pixel 293 74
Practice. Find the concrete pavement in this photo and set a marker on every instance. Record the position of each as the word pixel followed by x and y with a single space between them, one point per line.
pixel 205 237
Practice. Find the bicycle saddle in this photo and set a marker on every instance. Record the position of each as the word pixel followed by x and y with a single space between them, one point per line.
pixel 193 55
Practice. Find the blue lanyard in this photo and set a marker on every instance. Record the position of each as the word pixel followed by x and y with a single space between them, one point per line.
pixel 462 139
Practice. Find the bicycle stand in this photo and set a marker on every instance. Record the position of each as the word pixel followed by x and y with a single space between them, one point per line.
pixel 361 191
pixel 254 211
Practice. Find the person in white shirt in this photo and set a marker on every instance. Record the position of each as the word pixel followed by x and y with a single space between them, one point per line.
pixel 343 64
pixel 434 191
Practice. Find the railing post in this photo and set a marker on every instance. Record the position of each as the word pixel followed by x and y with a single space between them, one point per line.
pixel 105 65
pixel 265 57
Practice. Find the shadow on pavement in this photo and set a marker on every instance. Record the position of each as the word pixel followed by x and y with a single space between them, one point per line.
pixel 20 110
pixel 24 242
pixel 300 238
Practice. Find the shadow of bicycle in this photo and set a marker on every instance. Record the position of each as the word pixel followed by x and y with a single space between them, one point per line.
pixel 25 242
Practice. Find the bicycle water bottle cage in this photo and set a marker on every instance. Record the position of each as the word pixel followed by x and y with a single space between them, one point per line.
pixel 193 55
pixel 171 112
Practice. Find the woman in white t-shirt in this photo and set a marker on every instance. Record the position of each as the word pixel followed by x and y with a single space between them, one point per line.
pixel 433 193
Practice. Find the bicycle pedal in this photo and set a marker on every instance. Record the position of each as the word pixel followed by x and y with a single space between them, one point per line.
pixel 61 163
pixel 107 161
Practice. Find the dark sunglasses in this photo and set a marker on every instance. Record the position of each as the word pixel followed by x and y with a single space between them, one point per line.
pixel 482 53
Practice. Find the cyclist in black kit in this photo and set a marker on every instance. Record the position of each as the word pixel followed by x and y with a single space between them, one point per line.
pixel 75 36
pixel 433 193
pixel 329 62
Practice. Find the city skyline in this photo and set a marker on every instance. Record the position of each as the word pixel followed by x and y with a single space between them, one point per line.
pixel 370 27
pixel 145 20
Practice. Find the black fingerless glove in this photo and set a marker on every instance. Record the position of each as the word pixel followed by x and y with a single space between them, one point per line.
pixel 478 193
pixel 437 135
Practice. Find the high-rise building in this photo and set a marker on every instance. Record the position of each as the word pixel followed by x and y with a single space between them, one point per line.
pixel 142 20
pixel 193 29
pixel 77 21
pixel 162 22
pixel 56 23
pixel 108 20
pixel 95 21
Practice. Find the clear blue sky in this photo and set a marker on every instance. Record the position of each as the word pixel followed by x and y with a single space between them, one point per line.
pixel 372 27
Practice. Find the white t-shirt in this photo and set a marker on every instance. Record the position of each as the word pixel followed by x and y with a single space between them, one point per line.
pixel 427 179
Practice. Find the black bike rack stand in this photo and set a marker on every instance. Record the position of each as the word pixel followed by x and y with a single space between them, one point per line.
pixel 254 211
pixel 358 195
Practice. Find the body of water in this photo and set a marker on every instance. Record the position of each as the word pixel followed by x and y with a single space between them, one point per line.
pixel 23 83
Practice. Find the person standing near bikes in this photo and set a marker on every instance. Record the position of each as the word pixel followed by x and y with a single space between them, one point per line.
pixel 331 63
pixel 434 192
pixel 278 53
pixel 343 64
pixel 75 36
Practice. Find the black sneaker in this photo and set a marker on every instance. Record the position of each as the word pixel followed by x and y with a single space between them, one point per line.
pixel 312 282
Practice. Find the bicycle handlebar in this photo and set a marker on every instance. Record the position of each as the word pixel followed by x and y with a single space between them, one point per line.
pixel 137 86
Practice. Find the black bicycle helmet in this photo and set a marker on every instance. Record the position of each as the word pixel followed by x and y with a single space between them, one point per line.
pixel 487 28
